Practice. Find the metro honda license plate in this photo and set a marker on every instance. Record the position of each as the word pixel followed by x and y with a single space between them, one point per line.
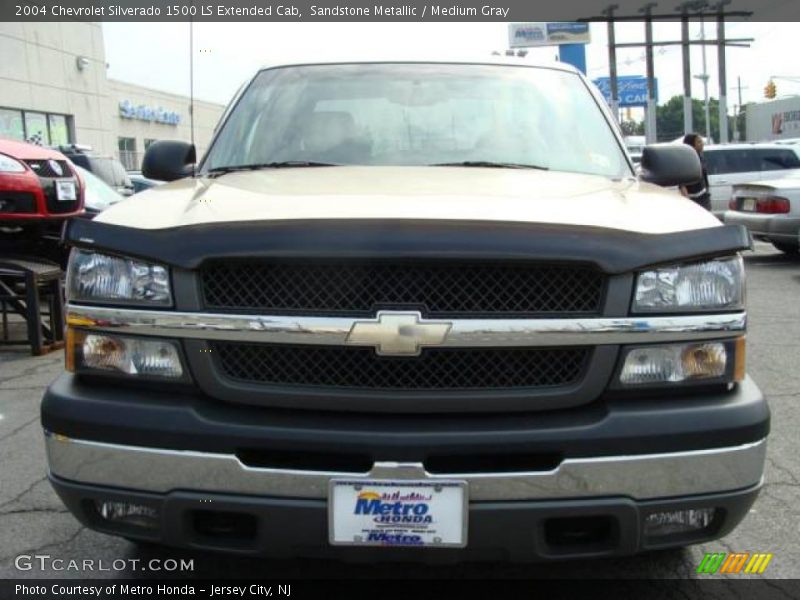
pixel 65 190
pixel 418 514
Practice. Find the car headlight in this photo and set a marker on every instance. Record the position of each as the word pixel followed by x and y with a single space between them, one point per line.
pixel 10 165
pixel 690 363
pixel 703 286
pixel 95 277
pixel 143 358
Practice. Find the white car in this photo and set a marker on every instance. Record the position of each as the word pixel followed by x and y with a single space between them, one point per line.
pixel 732 164
pixel 635 145
pixel 770 210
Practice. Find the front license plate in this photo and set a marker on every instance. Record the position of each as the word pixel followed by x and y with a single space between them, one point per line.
pixel 419 514
pixel 65 191
pixel 749 204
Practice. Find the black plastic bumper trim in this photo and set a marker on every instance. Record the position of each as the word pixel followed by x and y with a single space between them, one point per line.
pixel 514 531
pixel 106 413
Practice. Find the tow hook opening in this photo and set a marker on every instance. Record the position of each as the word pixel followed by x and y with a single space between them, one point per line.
pixel 581 534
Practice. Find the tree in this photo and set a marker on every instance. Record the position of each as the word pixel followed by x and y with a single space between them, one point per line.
pixel 632 127
pixel 669 118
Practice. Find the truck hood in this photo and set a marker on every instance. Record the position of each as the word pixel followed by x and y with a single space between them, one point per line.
pixel 474 194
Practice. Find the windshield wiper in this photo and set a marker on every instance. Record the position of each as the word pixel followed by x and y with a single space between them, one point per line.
pixel 272 165
pixel 490 164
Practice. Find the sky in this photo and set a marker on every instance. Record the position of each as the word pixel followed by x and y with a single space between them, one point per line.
pixel 226 54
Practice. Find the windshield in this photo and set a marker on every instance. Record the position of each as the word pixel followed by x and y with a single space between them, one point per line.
pixel 419 114
pixel 99 195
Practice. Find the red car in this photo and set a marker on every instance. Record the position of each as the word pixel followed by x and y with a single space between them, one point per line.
pixel 39 187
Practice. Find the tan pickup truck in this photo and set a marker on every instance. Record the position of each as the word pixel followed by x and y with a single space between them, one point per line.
pixel 409 310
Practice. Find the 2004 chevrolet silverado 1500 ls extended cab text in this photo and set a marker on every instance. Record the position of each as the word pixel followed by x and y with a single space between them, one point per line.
pixel 409 310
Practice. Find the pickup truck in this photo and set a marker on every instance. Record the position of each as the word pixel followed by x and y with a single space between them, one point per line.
pixel 409 310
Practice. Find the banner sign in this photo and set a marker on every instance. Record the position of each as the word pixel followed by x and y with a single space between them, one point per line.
pixel 528 35
pixel 631 90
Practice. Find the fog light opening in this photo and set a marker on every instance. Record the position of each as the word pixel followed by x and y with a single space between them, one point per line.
pixel 677 522
pixel 127 513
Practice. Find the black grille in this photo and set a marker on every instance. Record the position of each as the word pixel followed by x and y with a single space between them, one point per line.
pixel 17 202
pixel 433 369
pixel 43 169
pixel 54 205
pixel 438 288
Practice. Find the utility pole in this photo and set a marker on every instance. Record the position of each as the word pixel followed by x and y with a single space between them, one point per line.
pixel 737 110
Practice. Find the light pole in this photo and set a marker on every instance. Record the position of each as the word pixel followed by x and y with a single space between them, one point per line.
pixel 704 78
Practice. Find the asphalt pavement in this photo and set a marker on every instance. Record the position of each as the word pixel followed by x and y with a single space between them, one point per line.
pixel 34 522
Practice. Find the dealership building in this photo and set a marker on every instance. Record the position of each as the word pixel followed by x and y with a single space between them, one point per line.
pixel 54 88
pixel 774 120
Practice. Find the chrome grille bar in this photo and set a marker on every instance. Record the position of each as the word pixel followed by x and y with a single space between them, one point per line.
pixel 463 333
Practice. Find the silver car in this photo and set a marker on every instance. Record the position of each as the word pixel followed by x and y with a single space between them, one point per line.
pixel 732 164
pixel 770 210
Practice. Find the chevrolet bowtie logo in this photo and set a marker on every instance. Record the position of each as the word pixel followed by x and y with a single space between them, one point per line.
pixel 398 333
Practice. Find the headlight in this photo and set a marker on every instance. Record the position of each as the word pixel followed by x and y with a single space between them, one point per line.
pixel 123 355
pixel 10 165
pixel 711 285
pixel 93 277
pixel 700 362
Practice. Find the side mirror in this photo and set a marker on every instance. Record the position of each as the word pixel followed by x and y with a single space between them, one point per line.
pixel 670 165
pixel 168 160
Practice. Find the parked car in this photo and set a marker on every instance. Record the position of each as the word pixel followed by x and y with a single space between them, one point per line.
pixel 107 168
pixel 731 164
pixel 38 188
pixel 99 195
pixel 770 210
pixel 141 183
pixel 425 307
pixel 635 145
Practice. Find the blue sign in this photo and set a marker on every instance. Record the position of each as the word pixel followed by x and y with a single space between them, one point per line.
pixel 631 90
pixel 148 113
pixel 573 54
pixel 567 31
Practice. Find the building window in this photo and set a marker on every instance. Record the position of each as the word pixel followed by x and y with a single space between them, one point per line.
pixel 36 127
pixel 11 125
pixel 127 153
pixel 36 130
pixel 147 142
pixel 59 130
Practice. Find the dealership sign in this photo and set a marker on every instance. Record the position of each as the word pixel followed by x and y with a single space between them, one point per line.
pixel 631 90
pixel 142 112
pixel 526 35
pixel 784 122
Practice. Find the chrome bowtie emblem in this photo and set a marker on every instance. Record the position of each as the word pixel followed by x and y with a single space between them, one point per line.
pixel 398 333
pixel 56 167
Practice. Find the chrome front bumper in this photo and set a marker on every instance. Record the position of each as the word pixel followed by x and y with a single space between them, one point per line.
pixel 640 477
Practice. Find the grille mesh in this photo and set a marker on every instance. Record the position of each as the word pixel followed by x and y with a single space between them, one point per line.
pixel 43 169
pixel 438 288
pixel 433 369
